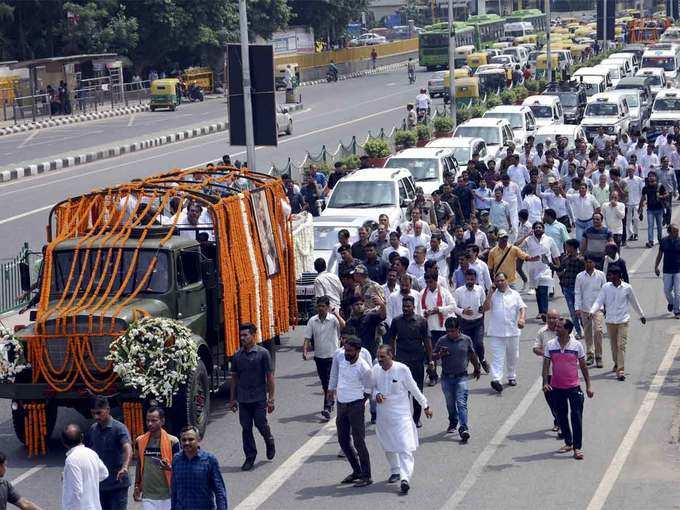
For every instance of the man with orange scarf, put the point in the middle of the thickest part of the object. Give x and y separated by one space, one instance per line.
437 304
155 451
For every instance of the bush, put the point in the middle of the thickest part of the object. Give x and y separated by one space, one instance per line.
476 111
376 148
493 101
423 132
462 115
443 123
405 138
531 85
322 167
521 93
507 96
351 162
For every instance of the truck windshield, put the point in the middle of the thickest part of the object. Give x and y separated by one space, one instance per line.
110 268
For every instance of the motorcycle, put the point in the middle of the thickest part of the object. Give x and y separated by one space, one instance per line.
195 93
422 115
331 76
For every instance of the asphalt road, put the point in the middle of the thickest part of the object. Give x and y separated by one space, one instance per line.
630 437
333 113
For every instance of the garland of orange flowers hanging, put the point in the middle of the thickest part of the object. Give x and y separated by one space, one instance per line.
133 417
35 428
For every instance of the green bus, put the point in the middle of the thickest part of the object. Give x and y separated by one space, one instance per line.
533 16
489 28
433 44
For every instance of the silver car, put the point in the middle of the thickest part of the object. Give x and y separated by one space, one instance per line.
435 84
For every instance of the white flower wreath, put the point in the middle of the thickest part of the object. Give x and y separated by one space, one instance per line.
12 358
155 356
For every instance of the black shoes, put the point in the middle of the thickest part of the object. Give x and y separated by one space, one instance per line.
393 479
351 478
326 414
271 449
497 386
485 366
405 487
419 424
464 436
248 465
373 418
363 482
512 382
669 307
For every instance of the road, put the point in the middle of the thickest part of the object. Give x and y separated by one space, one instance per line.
630 438
333 113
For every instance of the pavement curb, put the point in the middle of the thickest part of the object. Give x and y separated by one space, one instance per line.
72 119
359 74
119 150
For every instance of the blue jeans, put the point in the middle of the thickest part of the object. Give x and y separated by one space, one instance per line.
570 297
542 298
456 394
581 227
654 215
671 287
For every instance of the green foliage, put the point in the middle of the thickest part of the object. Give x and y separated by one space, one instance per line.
443 123
328 18
521 93
376 148
322 167
423 132
493 101
351 162
531 85
462 115
507 96
405 138
477 110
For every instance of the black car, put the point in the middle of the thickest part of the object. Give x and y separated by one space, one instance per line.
572 97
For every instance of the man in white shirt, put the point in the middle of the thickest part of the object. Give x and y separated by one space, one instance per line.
617 296
518 172
539 271
409 227
479 238
635 185
395 245
587 288
439 251
324 329
418 238
507 315
352 381
394 302
600 139
662 139
470 300
583 206
83 472
327 284
614 213
533 204
396 431
512 195
417 267
479 266
649 161
556 199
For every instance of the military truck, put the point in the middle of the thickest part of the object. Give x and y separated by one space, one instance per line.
145 249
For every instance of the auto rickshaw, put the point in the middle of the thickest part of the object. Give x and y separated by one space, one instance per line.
467 88
542 63
461 53
525 39
165 93
474 60
583 32
281 73
501 45
492 80
459 74
580 52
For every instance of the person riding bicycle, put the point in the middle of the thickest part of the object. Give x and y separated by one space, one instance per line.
333 70
423 102
411 69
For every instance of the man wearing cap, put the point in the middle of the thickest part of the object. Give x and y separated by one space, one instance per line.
364 286
503 259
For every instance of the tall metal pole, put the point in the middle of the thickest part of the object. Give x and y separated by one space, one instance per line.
548 56
247 102
604 25
452 66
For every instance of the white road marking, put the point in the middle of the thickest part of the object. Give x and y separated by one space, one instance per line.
132 119
497 440
28 473
391 84
27 213
614 470
650 251
274 481
28 139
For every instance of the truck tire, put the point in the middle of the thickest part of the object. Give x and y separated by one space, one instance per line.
270 345
192 404
19 415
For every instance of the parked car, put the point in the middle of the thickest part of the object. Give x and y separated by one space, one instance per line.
572 97
435 84
463 147
607 111
497 133
570 131
368 39
521 119
426 164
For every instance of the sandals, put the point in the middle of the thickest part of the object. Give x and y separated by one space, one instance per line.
578 454
620 375
565 449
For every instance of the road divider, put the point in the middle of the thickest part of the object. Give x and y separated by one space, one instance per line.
119 150
359 74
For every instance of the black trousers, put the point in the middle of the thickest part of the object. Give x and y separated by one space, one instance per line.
352 429
418 372
117 499
475 330
323 368
249 414
551 405
564 399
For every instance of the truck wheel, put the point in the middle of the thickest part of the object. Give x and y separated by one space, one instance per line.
19 415
270 345
192 404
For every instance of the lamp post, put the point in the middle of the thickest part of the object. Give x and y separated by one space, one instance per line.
452 65
548 56
247 102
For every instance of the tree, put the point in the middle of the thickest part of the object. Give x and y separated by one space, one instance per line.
328 18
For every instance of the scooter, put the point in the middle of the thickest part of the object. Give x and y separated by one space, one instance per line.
331 76
195 93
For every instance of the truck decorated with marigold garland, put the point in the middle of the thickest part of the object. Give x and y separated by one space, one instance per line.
142 288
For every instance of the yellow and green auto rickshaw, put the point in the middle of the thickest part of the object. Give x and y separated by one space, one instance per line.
474 60
165 93
542 64
467 87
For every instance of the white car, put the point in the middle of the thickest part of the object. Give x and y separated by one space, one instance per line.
463 147
665 112
284 122
497 133
505 60
426 164
635 108
368 39
326 230
569 131
607 111
435 84
657 78
547 110
372 192
521 119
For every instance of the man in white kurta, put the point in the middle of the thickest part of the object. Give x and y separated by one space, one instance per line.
395 428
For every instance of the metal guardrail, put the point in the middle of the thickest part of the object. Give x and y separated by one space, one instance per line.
83 100
11 295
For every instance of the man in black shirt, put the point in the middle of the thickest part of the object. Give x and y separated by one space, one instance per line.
252 393
376 267
654 194
347 261
311 192
465 197
411 341
669 251
297 201
359 247
338 173
8 493
365 322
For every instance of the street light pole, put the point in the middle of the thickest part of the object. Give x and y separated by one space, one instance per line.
548 56
452 66
247 102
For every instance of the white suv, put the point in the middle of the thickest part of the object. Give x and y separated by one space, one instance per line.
427 166
372 192
665 112
608 111
497 133
521 119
